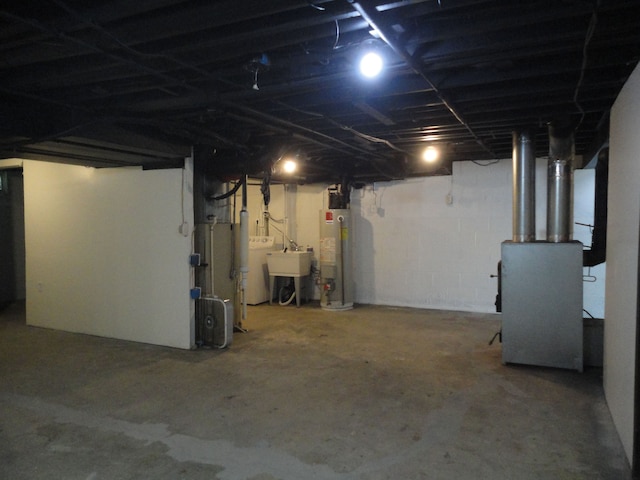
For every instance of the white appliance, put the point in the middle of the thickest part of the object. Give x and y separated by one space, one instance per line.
258 278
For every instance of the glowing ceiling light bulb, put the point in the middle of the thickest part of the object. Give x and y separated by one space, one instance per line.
289 166
371 65
430 154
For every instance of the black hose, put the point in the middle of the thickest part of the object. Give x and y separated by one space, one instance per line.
232 191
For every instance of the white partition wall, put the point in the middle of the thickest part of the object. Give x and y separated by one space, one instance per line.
104 254
621 299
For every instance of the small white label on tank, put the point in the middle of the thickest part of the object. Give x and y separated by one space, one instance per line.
328 250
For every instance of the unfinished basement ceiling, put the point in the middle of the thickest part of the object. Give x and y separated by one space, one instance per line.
114 83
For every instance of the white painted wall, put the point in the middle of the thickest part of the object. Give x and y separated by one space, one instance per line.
104 255
413 249
622 259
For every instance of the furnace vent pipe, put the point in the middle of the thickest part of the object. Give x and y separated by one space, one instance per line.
560 184
524 188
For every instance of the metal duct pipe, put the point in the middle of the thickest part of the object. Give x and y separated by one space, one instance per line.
524 188
560 184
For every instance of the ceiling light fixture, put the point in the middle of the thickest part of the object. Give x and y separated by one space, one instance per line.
430 154
371 64
289 166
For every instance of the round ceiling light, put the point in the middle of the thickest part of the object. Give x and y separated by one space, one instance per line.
289 166
371 65
430 154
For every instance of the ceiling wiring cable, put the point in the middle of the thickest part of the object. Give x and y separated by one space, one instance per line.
590 31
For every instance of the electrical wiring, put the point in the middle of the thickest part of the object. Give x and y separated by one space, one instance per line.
590 31
272 219
364 136
230 192
491 162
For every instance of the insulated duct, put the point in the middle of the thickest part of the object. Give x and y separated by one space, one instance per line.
524 188
560 184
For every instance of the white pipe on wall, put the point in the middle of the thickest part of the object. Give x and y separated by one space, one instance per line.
244 258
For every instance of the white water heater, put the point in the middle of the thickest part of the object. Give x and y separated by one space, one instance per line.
336 273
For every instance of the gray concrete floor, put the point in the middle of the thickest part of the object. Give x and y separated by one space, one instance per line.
372 393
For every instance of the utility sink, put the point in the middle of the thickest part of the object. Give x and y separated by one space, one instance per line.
289 263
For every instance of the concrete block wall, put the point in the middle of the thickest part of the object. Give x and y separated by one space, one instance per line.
433 242
411 246
429 242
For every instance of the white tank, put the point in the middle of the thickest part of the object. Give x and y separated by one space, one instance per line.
336 272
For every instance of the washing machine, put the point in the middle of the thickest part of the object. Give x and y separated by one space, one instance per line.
258 278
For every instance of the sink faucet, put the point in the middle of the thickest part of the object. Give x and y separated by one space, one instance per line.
294 246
